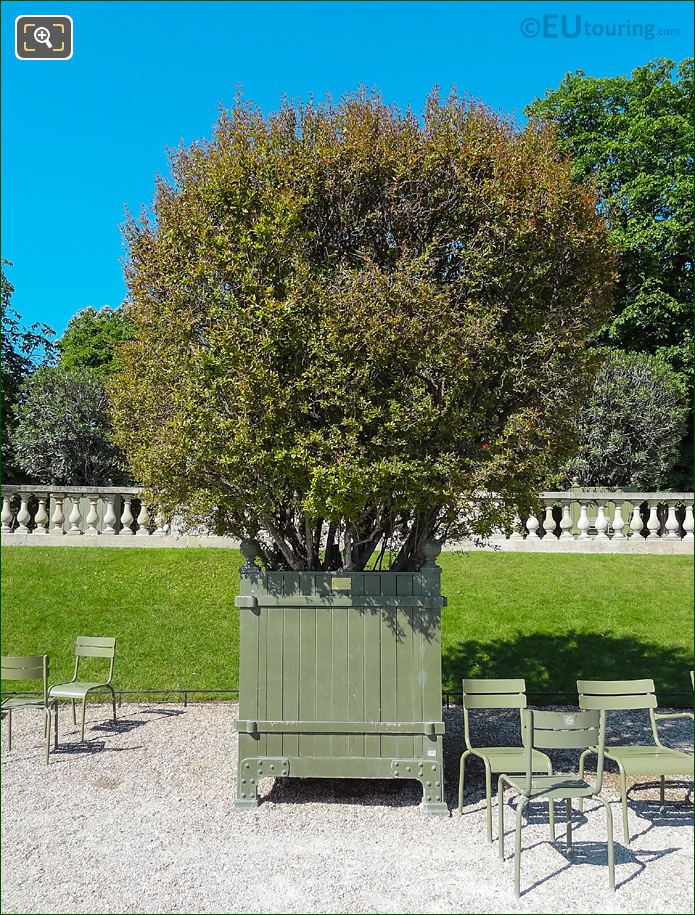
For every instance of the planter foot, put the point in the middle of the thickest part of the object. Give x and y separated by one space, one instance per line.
246 803
434 809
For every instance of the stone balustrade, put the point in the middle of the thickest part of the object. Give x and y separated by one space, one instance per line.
575 520
595 520
77 511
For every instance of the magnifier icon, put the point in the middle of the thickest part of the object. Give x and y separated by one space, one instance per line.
43 36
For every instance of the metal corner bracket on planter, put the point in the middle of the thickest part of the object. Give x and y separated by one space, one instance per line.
340 677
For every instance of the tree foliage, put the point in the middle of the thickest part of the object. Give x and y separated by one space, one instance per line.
633 135
631 427
92 338
23 348
347 321
63 433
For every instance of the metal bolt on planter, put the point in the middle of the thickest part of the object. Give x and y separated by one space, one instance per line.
340 676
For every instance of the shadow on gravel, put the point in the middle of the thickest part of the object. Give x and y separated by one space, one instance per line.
89 748
166 712
675 814
596 854
671 785
367 792
121 726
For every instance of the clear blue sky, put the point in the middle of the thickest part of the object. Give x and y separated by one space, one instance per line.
81 139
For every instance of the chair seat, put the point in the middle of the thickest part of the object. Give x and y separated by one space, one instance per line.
566 785
511 759
651 760
74 690
18 702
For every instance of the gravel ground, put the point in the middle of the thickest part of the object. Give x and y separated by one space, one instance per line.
141 819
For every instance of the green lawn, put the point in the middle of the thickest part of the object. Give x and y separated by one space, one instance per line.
548 618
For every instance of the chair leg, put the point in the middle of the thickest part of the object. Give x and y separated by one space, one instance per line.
47 730
488 800
581 776
568 807
84 707
551 809
113 701
9 729
500 817
517 846
662 793
55 726
623 800
609 830
74 716
462 772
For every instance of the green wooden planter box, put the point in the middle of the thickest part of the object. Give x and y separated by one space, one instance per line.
340 677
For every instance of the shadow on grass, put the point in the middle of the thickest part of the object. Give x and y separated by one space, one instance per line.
551 664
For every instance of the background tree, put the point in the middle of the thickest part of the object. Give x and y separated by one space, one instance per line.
22 350
92 338
347 322
630 430
633 136
63 431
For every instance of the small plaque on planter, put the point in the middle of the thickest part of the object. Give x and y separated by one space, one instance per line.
341 584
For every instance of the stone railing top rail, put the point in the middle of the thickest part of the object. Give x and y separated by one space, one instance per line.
574 493
8 489
610 495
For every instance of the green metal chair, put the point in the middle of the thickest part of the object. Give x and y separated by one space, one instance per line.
76 690
497 694
557 731
34 667
652 759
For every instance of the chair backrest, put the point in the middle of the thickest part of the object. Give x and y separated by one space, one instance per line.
613 695
32 667
480 693
87 646
563 731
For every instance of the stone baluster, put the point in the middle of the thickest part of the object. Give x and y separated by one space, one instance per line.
41 517
549 523
618 522
566 522
688 522
75 517
583 524
23 516
532 526
126 517
57 518
6 513
653 522
672 523
143 522
161 526
516 529
92 518
636 522
601 523
110 515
